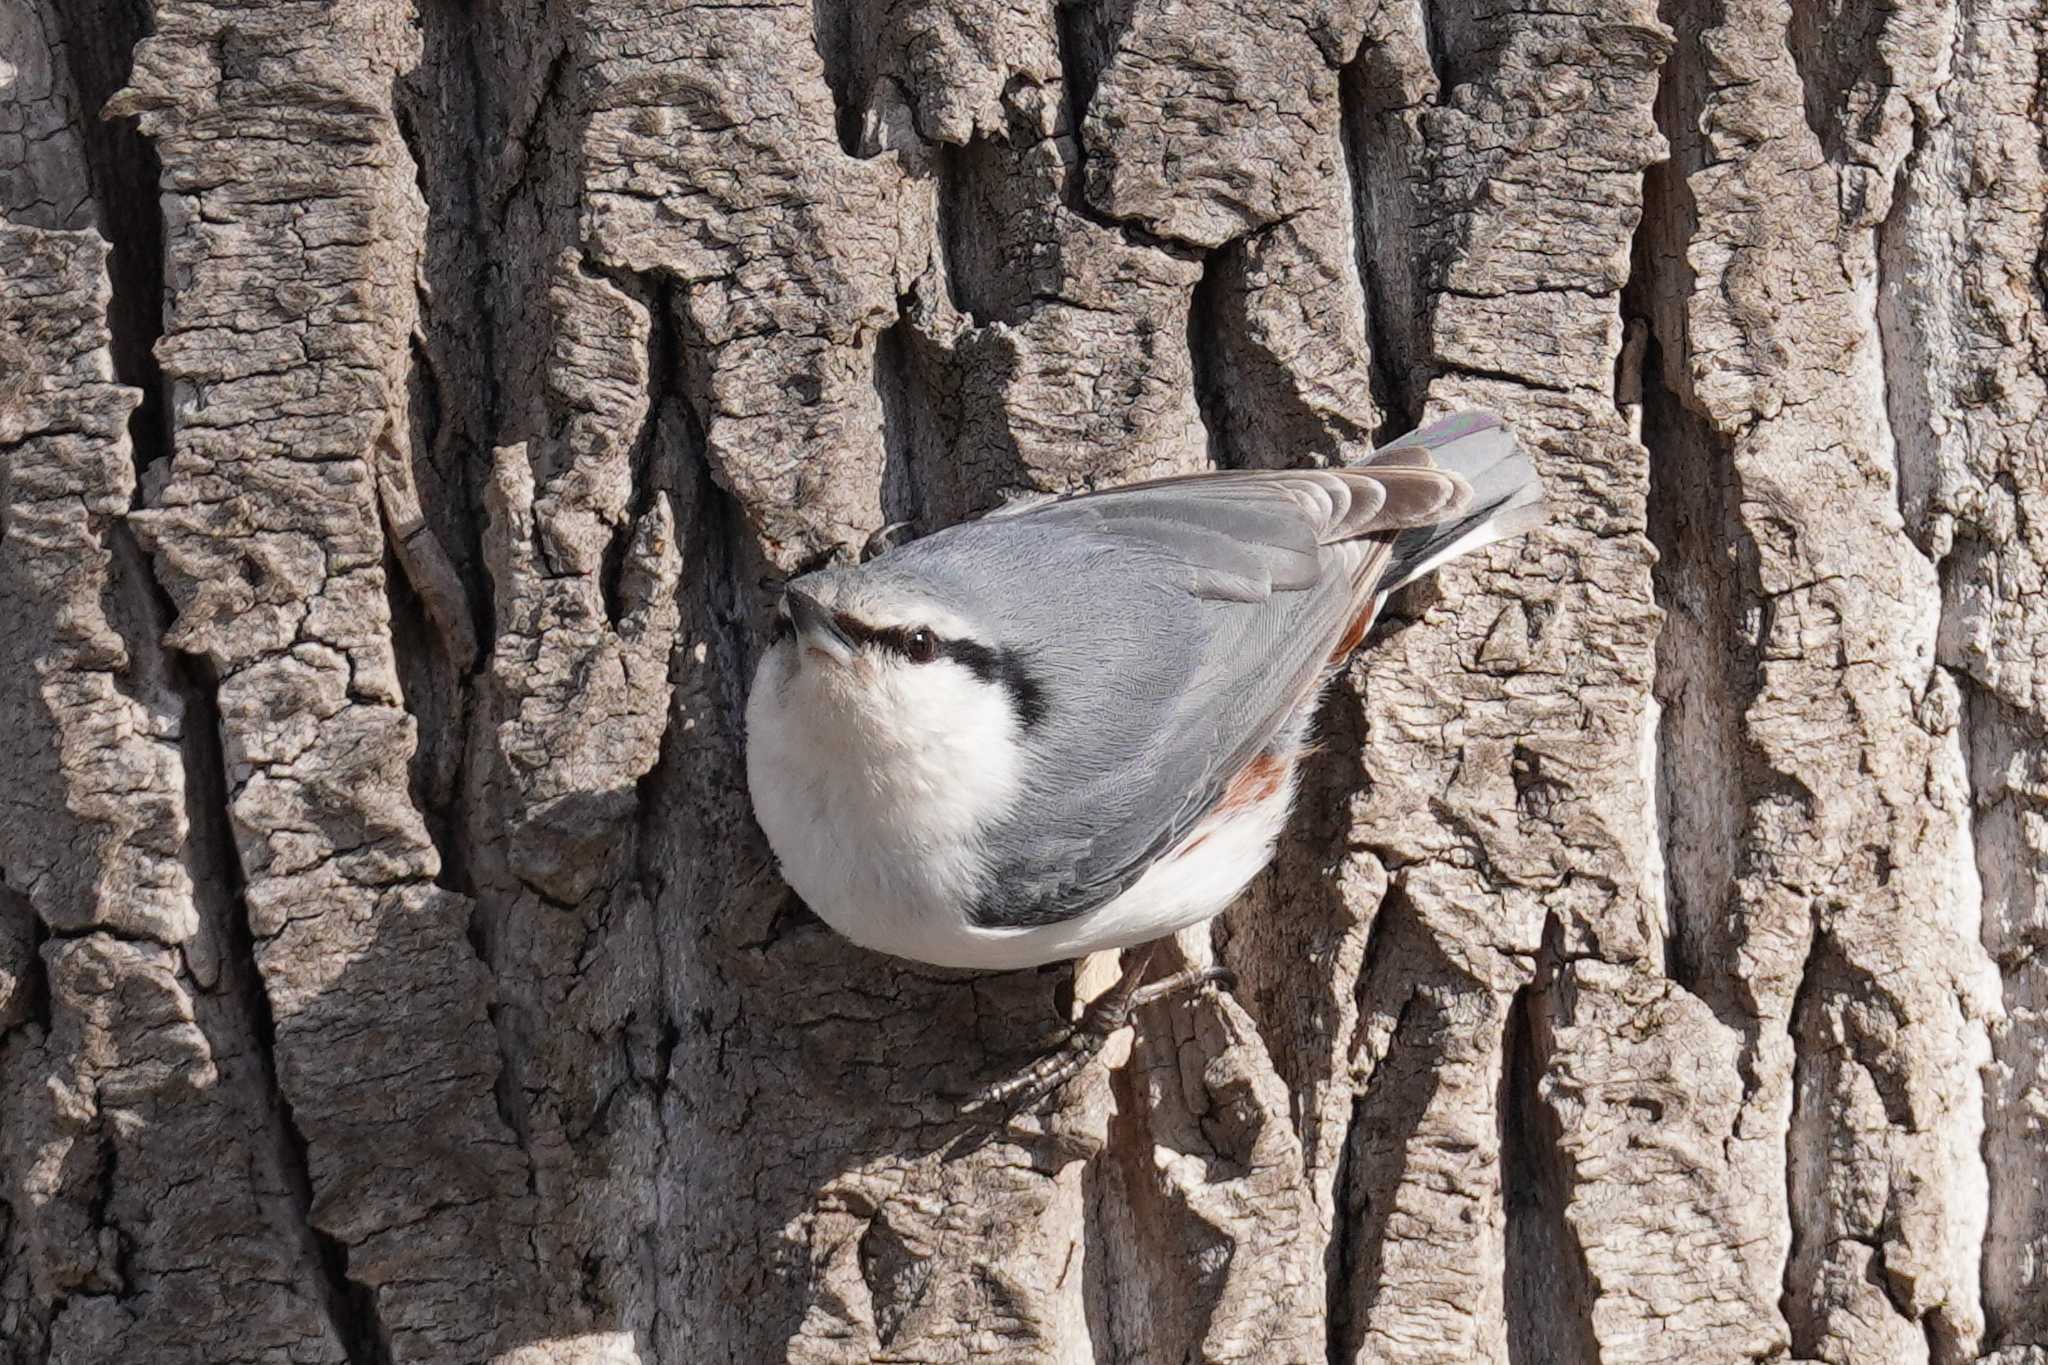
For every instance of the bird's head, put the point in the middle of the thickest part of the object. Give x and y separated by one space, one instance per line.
899 653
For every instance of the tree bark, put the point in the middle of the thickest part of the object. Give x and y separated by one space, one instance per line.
406 408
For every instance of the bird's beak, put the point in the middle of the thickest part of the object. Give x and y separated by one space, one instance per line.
815 628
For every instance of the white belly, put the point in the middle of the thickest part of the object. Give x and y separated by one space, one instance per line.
1196 881
877 828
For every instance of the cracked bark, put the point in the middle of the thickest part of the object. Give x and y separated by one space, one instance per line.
405 409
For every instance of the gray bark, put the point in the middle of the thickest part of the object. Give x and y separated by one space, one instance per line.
405 405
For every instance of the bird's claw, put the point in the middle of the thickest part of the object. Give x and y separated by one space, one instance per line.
1030 1088
1191 979
1071 1051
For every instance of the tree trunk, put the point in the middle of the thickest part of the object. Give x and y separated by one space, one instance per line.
406 407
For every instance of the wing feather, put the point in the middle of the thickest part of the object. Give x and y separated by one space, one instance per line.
1195 616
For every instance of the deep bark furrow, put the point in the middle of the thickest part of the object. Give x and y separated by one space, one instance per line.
1965 409
1707 650
99 37
430 485
24 985
292 615
1507 323
350 1308
840 34
912 435
1416 1154
1205 342
95 1042
1076 28
154 1033
1547 1297
1378 97
1804 1151
1800 800
1342 1264
455 111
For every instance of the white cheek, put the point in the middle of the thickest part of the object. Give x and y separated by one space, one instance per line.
945 739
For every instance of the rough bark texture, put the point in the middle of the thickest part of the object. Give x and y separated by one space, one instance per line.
406 406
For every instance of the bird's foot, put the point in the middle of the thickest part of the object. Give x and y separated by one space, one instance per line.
1071 1052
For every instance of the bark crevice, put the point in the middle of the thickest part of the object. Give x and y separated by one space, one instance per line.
1206 352
1386 242
1805 1152
648 473
350 1307
840 34
456 383
1706 582
126 175
1412 1001
1549 1293
100 38
908 439
1084 46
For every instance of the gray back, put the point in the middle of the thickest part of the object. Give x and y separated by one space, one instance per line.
1174 629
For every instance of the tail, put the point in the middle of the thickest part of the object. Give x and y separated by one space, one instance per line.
1507 497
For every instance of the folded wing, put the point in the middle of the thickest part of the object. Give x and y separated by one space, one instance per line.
1201 613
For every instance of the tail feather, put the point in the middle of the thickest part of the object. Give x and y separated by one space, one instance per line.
1507 497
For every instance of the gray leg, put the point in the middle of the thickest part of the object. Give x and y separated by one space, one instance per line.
1108 1012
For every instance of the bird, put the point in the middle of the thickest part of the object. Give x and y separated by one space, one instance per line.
1076 723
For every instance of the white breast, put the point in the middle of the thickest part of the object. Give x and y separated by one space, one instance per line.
1198 879
873 796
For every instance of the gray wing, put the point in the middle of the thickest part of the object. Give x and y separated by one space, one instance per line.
1177 627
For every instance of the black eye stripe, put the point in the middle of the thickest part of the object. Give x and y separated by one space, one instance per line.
1005 669
895 639
1001 667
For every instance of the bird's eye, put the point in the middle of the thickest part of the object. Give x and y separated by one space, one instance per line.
921 646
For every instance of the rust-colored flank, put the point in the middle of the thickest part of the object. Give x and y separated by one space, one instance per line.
1260 782
1355 636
